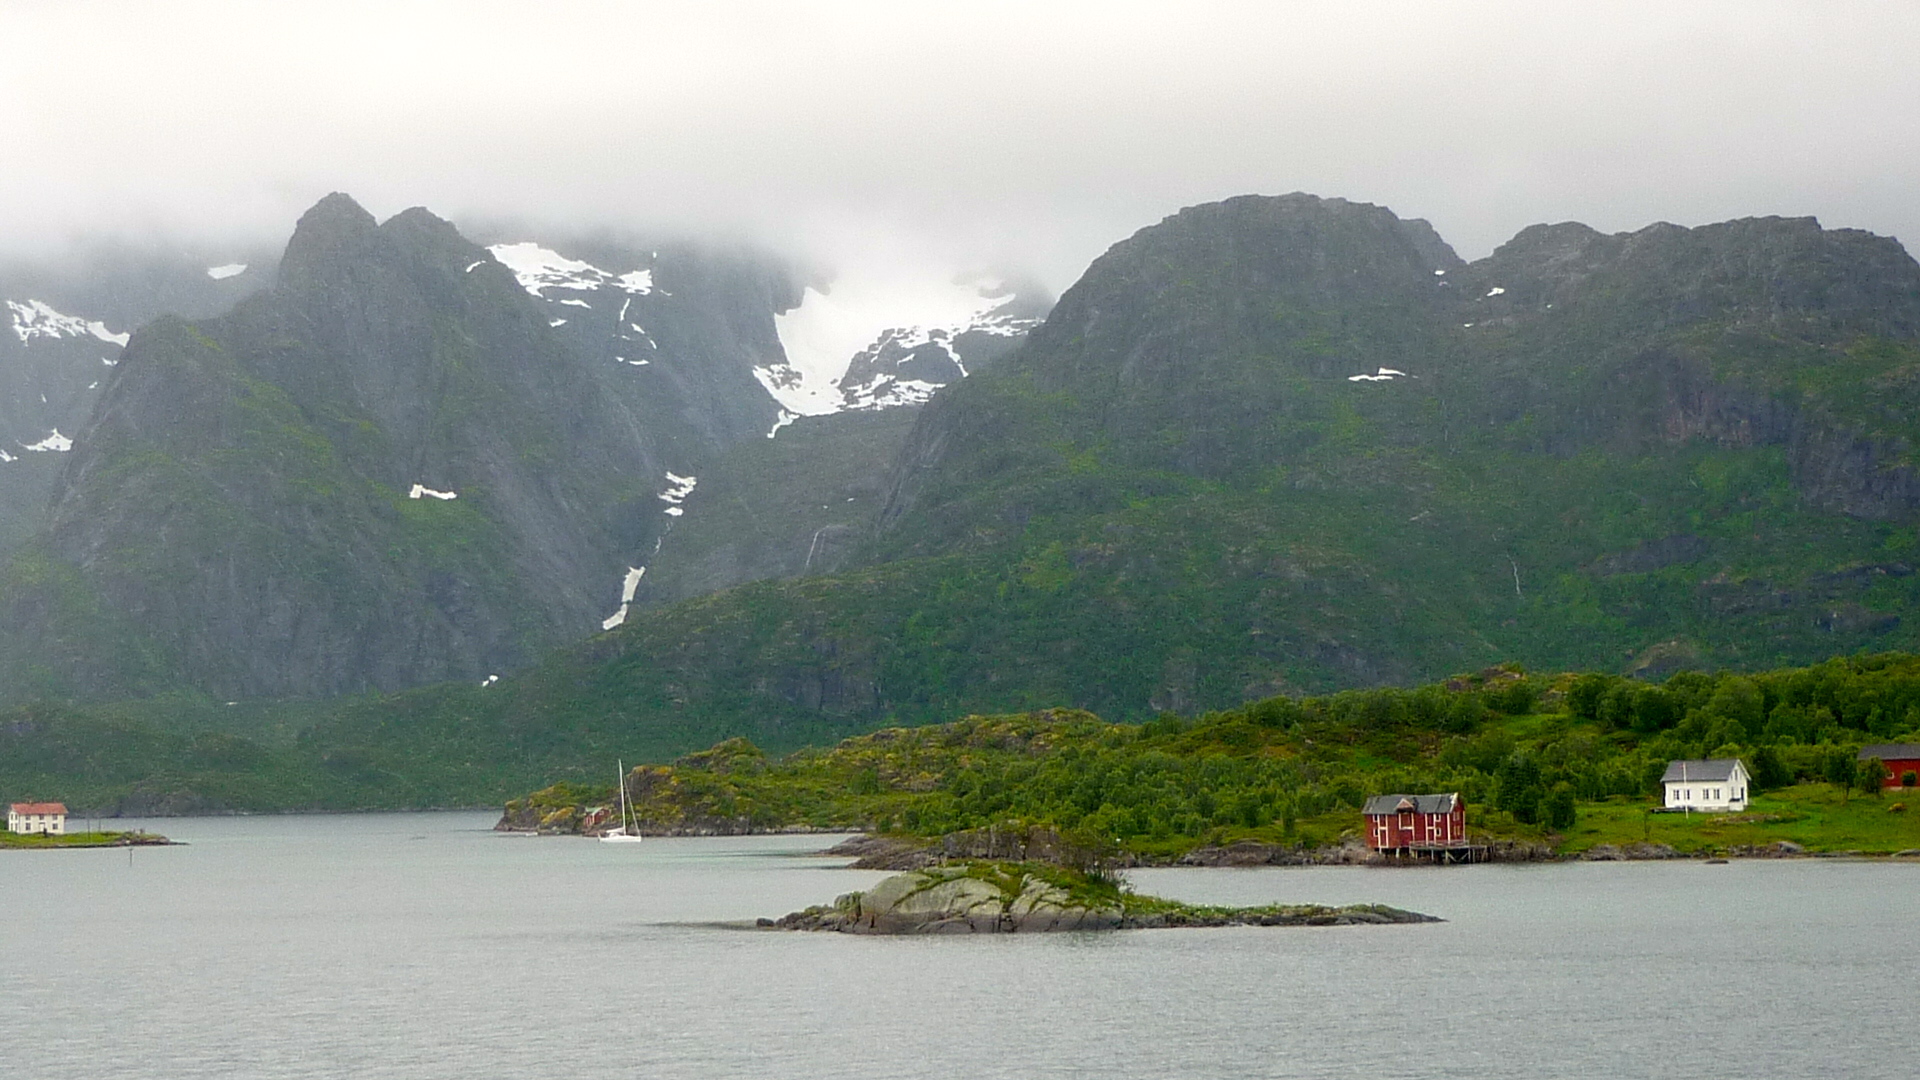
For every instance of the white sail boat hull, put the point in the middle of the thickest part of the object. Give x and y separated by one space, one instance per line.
628 831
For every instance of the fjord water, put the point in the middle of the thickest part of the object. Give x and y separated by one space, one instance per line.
424 945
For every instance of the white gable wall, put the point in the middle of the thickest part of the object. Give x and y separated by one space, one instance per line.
36 823
1728 794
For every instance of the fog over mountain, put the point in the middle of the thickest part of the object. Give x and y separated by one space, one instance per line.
902 141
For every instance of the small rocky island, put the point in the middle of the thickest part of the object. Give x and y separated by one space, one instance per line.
1026 898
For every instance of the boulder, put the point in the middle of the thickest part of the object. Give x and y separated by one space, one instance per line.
1042 907
947 902
923 904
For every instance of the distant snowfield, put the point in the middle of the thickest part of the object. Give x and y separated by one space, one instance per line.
539 268
828 329
54 443
36 318
227 270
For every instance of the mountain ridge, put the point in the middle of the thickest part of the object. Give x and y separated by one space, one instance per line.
1289 445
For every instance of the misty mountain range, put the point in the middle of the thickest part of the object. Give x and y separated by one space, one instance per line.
1272 444
380 468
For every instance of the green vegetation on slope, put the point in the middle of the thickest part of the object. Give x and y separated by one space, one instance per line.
1577 756
1522 748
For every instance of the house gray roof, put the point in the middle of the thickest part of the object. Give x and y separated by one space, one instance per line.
1895 751
1708 770
1419 804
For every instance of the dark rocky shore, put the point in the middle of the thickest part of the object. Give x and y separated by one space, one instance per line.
1041 844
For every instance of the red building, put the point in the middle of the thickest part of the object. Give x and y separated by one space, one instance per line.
1416 822
1902 761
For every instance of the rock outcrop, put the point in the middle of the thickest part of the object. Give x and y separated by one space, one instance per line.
986 898
958 901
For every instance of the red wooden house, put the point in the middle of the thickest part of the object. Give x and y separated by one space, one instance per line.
1901 759
1416 822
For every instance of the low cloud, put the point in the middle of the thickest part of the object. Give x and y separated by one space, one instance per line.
984 136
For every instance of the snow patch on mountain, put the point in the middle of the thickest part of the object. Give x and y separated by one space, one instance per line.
539 268
677 490
37 319
842 344
226 270
680 487
1385 374
628 586
420 490
54 443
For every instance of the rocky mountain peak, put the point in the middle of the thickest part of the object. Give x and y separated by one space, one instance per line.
1252 273
333 230
1758 272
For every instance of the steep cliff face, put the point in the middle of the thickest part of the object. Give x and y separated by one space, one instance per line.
1198 346
1762 332
1224 339
391 468
63 322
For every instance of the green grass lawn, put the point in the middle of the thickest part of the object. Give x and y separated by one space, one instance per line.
75 839
1815 816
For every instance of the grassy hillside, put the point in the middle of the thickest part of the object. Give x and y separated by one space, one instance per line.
1573 759
1283 769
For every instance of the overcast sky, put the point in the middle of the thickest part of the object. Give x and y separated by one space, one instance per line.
972 135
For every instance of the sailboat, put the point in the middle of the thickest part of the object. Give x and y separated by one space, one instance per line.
628 831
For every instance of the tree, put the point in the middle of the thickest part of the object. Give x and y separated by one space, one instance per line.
1737 699
1769 771
1518 788
1556 810
1840 770
1654 710
1869 775
1514 697
1583 697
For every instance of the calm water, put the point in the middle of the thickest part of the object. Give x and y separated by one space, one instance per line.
422 945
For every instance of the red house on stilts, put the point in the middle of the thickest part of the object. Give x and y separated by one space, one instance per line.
1417 823
1901 761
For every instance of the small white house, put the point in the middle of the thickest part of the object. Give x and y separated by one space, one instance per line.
1710 784
37 817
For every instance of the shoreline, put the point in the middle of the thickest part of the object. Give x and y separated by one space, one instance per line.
879 852
35 842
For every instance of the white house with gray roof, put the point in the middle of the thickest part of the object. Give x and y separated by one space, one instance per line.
1713 784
